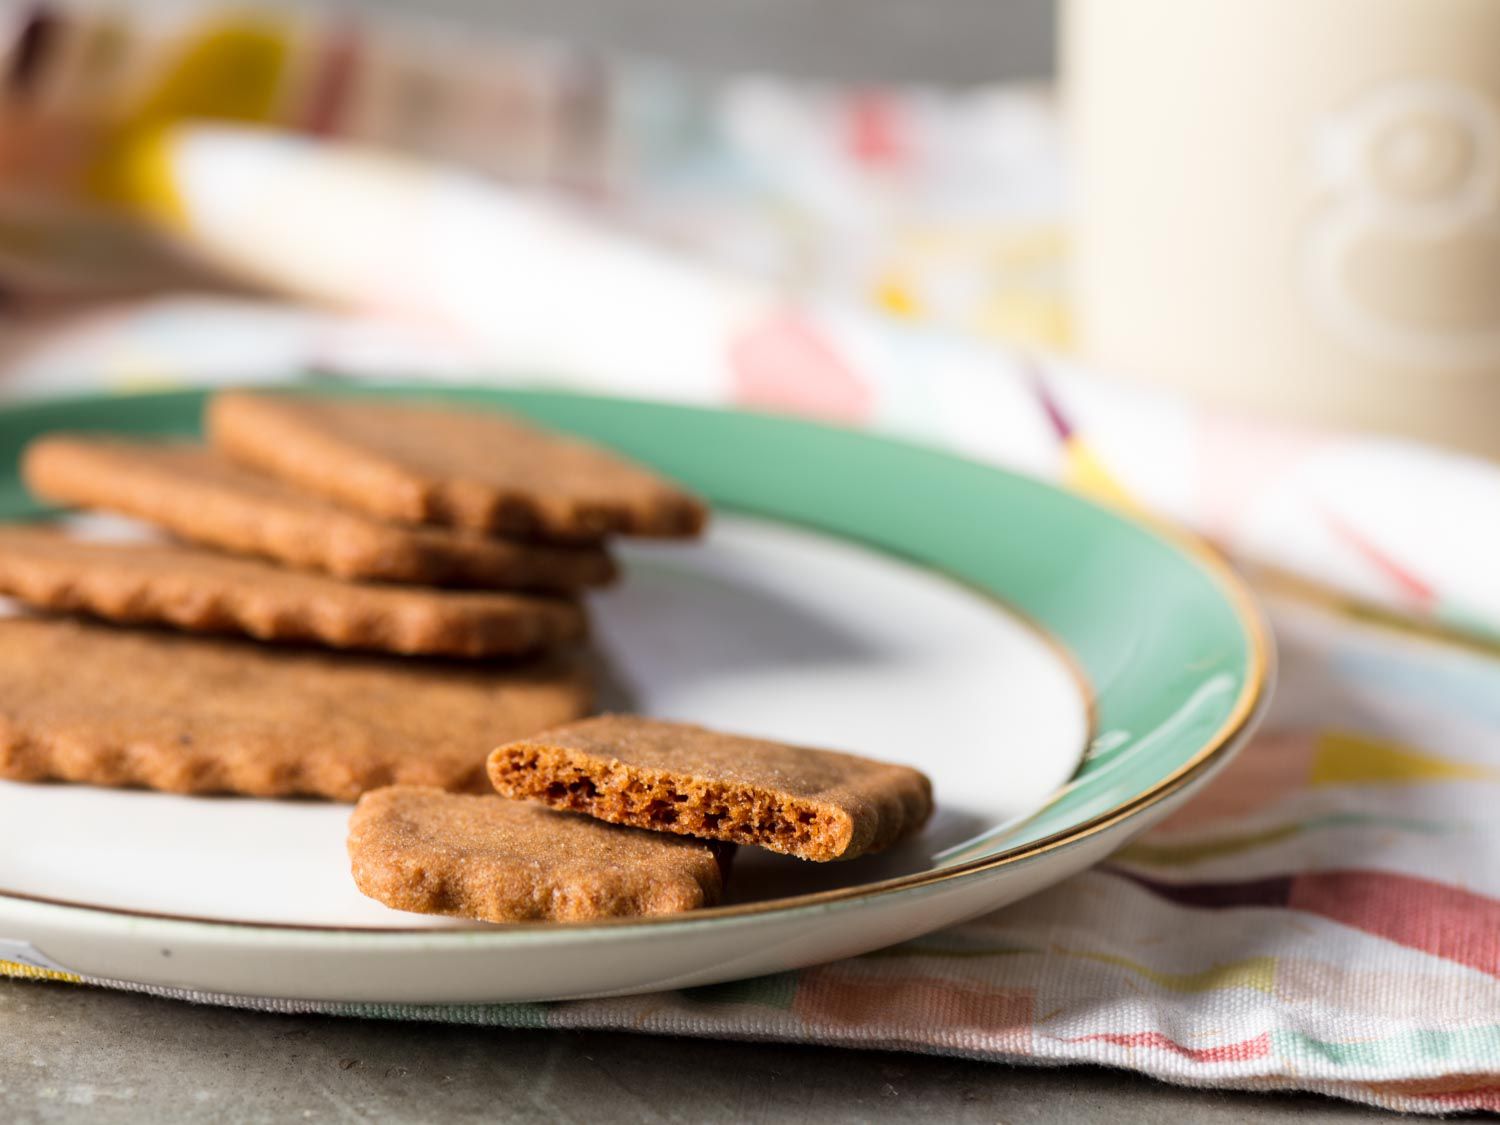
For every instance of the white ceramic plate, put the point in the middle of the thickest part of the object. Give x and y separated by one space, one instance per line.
764 628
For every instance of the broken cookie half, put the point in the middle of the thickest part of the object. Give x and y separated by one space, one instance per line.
688 780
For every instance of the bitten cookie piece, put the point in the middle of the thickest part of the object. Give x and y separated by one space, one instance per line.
477 469
203 592
673 777
503 861
106 706
196 494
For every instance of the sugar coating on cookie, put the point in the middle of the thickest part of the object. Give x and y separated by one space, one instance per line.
676 777
206 592
495 860
477 468
106 706
194 493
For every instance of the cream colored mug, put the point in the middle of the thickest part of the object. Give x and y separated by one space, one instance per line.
1293 206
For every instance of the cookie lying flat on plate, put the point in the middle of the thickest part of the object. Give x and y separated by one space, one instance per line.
196 494
673 777
478 469
204 592
106 706
503 861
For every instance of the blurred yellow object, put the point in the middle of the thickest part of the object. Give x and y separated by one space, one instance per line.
1037 319
143 178
1084 472
1346 758
229 69
893 295
1006 273
31 972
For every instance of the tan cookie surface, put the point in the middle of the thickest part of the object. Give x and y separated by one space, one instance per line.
193 492
675 777
106 706
477 469
432 852
205 592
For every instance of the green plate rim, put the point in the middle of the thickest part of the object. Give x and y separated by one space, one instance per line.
576 411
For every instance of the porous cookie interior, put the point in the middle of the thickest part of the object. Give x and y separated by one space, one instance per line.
658 800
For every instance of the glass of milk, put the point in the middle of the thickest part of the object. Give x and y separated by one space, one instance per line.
1293 206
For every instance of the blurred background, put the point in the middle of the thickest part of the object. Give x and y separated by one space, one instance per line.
952 41
1171 258
840 150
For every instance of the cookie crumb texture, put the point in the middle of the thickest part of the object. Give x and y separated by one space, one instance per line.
104 706
495 860
479 468
674 777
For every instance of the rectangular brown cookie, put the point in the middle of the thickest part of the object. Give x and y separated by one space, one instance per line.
205 592
106 706
675 777
198 495
476 468
503 861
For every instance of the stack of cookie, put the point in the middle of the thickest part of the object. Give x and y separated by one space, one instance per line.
441 552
